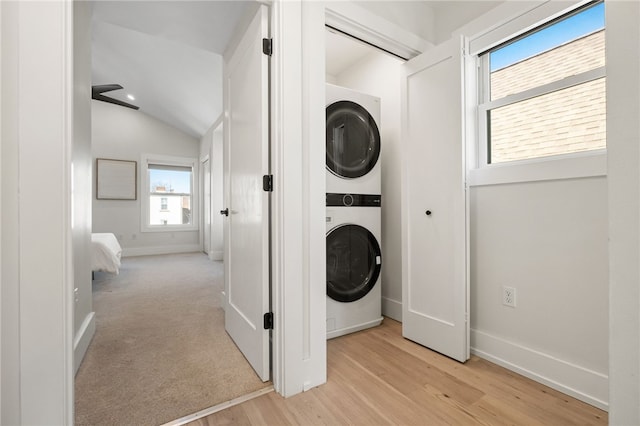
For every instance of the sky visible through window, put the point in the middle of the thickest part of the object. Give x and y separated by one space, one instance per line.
571 28
180 182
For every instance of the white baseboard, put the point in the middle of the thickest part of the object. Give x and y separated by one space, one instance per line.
147 251
215 255
579 382
331 333
392 309
82 339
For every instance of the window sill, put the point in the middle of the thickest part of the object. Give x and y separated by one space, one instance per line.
571 166
169 228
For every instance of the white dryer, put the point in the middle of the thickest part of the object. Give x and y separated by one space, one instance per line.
354 261
352 142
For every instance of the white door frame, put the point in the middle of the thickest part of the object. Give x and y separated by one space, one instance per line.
203 205
298 115
298 267
37 288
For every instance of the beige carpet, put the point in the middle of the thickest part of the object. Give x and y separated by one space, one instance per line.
160 351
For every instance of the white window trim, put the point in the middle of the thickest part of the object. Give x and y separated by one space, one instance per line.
565 166
147 159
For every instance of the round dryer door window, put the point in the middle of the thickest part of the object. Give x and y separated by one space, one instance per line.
353 140
353 262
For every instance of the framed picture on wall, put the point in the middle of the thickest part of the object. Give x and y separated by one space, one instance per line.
116 179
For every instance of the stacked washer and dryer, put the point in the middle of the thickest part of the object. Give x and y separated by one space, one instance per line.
354 219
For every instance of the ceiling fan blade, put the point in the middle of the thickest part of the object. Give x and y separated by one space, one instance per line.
103 98
96 93
101 88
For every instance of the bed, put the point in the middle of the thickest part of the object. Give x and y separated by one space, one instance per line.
105 253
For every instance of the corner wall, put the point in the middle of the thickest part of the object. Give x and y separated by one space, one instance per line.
84 322
623 144
211 145
37 269
10 217
124 134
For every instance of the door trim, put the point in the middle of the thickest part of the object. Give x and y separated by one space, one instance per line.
357 22
203 159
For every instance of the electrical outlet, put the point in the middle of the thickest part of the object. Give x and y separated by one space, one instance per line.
509 296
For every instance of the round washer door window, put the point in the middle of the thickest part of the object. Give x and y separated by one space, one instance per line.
353 262
353 140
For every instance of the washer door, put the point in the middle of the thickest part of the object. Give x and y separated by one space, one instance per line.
353 140
353 262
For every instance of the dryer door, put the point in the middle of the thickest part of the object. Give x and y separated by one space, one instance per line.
353 262
353 140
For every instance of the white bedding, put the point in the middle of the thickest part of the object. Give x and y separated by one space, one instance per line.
105 253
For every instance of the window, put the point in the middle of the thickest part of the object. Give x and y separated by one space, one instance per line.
542 94
169 201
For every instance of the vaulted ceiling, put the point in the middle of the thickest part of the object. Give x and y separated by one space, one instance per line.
168 54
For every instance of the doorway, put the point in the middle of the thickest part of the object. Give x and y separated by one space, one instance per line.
358 66
123 28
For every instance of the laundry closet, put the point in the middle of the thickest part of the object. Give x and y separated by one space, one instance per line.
451 238
363 185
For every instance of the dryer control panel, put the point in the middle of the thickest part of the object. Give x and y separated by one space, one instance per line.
353 200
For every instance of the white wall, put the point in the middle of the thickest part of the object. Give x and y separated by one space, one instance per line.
378 74
548 240
623 145
37 268
124 134
414 16
211 145
451 15
10 347
84 324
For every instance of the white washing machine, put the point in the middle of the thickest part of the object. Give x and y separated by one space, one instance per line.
352 142
354 261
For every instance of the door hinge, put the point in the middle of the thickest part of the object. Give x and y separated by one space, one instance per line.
267 183
267 46
268 321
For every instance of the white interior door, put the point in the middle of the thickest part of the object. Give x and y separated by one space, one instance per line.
247 223
434 287
206 207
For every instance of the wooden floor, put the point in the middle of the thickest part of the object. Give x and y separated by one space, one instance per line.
377 377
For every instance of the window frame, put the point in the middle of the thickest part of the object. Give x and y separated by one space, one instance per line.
145 191
562 166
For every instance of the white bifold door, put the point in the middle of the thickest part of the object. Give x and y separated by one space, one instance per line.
434 287
246 147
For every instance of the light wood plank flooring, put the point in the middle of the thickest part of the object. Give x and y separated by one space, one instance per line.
377 377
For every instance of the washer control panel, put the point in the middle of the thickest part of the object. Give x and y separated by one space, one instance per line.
353 200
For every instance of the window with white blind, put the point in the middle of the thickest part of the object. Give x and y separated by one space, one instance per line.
168 193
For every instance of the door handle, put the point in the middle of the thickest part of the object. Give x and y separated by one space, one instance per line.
225 212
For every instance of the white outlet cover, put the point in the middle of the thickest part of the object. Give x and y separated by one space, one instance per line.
509 296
